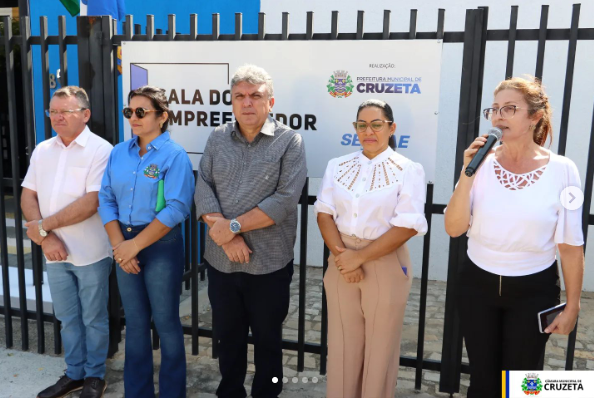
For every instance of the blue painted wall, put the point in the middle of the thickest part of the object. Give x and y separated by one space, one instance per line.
138 9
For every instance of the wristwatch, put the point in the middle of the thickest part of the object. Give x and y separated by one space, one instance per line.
235 226
42 231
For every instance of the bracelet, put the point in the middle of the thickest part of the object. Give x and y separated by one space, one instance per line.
133 240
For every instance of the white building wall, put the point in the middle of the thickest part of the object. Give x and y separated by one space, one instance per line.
582 103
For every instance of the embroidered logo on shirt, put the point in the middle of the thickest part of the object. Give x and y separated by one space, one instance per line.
152 171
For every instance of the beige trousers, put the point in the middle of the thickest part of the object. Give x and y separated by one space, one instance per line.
365 324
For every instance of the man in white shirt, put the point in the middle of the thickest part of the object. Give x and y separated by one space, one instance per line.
60 200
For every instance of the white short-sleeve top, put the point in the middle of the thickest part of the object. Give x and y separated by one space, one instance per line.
517 219
367 197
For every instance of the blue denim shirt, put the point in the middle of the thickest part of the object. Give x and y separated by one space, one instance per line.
130 183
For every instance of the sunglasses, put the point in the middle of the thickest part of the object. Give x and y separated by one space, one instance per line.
140 112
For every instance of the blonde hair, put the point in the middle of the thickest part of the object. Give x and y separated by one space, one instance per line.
534 95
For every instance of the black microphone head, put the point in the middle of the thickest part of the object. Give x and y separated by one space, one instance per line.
496 131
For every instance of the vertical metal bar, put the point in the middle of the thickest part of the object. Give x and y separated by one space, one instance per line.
452 338
440 23
195 315
57 336
28 106
360 16
334 27
238 26
171 25
3 232
261 25
302 277
137 29
285 29
412 29
115 26
45 88
386 31
63 49
110 117
573 34
511 44
159 31
115 330
202 238
215 26
542 41
424 284
324 328
193 26
588 186
150 27
571 347
128 31
14 149
309 28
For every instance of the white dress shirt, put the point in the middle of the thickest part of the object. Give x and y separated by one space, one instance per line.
62 174
517 219
368 197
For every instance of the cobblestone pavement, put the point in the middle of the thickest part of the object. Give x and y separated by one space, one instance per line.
203 375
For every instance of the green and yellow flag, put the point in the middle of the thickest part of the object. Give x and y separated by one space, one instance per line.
73 6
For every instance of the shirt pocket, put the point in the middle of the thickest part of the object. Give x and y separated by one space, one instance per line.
267 171
75 181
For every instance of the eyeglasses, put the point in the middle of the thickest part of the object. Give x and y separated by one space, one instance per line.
506 112
375 125
64 112
140 112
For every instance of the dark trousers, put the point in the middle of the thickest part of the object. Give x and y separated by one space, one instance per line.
242 301
499 322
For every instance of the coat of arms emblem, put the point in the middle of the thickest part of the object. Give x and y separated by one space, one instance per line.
152 171
531 384
340 84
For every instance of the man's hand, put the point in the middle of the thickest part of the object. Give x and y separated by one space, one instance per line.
355 276
348 260
53 248
237 250
33 231
564 323
220 231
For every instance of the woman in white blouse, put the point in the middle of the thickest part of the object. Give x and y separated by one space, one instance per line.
370 203
515 220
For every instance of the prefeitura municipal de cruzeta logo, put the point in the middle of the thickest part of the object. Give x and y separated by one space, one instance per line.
531 384
340 84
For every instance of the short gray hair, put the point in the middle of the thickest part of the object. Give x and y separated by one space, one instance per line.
74 91
253 74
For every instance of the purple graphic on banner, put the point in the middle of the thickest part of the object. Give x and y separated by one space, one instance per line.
138 77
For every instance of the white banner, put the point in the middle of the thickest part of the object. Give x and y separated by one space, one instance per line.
548 384
318 86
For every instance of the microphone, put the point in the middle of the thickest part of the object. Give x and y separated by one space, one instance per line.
494 136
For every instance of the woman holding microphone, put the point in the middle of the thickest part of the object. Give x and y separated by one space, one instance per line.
147 191
515 221
370 204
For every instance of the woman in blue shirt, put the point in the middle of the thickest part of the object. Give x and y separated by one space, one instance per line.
146 192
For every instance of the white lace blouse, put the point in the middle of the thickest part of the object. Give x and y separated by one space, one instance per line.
517 219
368 197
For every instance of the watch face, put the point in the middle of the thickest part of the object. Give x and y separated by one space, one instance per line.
235 226
43 233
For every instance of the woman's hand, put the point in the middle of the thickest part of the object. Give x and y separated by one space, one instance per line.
564 323
125 251
474 147
348 260
355 276
131 267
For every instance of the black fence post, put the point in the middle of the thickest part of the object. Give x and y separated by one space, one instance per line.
470 97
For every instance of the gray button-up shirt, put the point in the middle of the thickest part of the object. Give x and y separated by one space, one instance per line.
235 176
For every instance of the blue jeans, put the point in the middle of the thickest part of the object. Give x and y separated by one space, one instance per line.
80 296
154 292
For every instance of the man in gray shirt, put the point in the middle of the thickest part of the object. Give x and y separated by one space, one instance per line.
250 180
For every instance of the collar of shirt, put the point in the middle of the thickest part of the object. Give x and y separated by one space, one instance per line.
388 152
156 143
81 139
267 129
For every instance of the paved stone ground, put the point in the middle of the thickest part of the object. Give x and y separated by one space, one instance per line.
203 375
